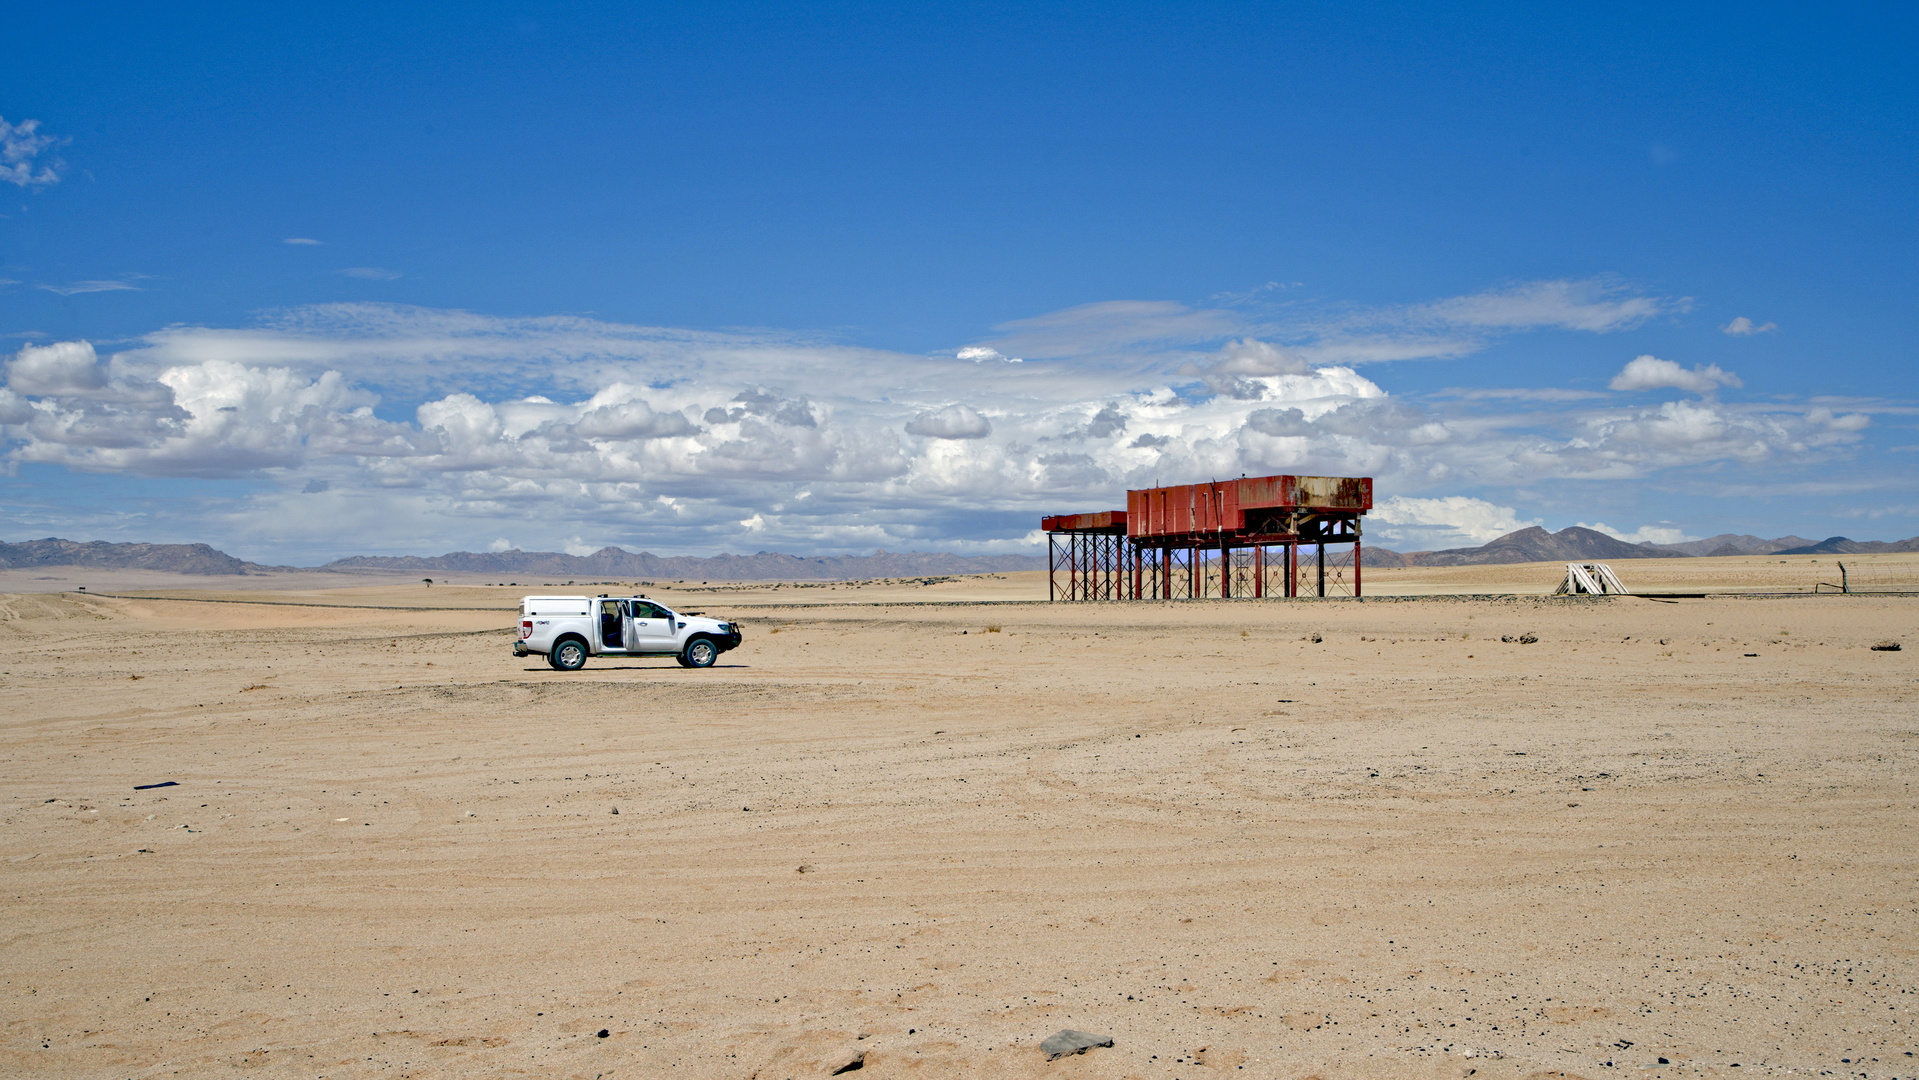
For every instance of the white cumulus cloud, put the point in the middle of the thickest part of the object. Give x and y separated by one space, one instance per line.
619 415
1652 373
1645 534
1744 327
979 354
952 422
64 368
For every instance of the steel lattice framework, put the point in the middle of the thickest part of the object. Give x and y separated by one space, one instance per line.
1236 538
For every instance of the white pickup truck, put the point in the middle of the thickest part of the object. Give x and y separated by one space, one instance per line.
568 629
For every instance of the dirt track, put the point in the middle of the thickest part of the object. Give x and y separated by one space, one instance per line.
1407 849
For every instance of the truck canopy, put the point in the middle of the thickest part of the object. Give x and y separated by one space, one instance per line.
556 605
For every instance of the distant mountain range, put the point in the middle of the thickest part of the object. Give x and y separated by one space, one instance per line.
1527 545
610 562
178 558
1736 544
1839 545
1586 545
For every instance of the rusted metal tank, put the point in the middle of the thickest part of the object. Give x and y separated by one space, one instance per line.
1221 506
1106 521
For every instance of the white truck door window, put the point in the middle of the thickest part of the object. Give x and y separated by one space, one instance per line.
652 630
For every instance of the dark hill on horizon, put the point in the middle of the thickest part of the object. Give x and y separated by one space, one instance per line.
1575 544
1535 544
177 558
1735 544
1839 545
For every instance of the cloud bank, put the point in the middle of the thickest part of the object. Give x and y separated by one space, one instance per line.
373 427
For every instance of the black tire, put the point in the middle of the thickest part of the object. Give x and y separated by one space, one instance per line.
569 654
700 652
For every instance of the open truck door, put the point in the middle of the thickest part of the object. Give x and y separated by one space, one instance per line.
653 629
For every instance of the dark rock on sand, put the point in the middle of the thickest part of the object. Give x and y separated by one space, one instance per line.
1067 1041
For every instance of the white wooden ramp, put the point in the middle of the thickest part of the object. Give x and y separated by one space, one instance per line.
1593 578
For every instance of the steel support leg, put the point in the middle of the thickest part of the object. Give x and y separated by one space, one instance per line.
1052 567
1112 569
1098 568
1072 567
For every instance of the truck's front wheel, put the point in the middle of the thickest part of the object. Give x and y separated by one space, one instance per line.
568 655
700 652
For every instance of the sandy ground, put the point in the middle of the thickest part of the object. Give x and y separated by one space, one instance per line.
1406 848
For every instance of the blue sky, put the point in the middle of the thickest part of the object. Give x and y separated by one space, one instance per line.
700 278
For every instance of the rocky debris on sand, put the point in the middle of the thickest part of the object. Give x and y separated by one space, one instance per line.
1067 1041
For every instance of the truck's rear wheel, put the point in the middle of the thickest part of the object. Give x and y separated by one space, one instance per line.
568 655
700 652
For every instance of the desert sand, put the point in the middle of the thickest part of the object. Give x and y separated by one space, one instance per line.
934 823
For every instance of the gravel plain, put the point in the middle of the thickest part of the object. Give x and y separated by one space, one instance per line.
1307 839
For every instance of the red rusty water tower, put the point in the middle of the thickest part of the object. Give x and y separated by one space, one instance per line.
1213 539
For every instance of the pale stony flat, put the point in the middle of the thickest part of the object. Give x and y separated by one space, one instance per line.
907 826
